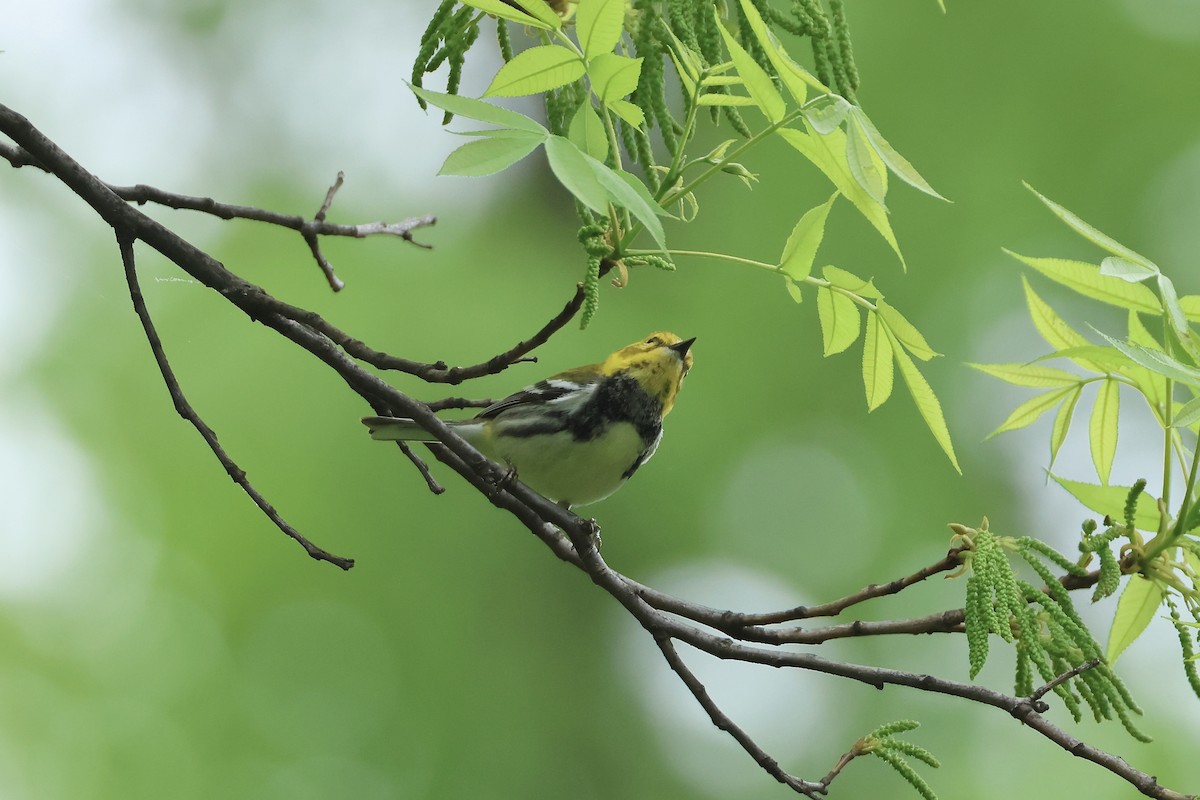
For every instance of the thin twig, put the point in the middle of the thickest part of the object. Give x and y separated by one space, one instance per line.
1046 688
314 244
723 722
423 468
186 411
459 402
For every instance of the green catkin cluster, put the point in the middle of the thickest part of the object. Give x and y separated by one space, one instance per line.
503 40
841 34
595 243
906 771
1099 543
430 41
1186 646
651 95
457 49
681 15
1131 499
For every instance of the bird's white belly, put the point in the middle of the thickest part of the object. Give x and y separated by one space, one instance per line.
566 470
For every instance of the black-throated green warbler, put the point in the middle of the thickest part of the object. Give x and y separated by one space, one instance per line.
578 435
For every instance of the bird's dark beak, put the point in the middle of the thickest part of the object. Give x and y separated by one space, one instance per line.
681 348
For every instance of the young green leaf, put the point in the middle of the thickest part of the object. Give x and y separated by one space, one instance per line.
793 290
851 282
877 363
1188 415
826 113
628 112
497 8
1086 279
865 165
542 11
725 100
586 132
1126 270
1152 386
927 404
1110 501
1140 599
788 71
570 166
1033 375
1062 421
1170 302
1103 428
536 70
1191 306
1091 234
621 193
490 155
897 163
478 110
802 244
758 83
613 77
840 320
1157 361
598 25
1028 412
828 154
905 332
1053 328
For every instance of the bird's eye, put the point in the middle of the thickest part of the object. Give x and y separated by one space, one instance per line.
654 340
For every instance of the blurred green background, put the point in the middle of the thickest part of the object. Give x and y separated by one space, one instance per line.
159 638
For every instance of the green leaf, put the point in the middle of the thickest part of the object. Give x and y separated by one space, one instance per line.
840 320
613 76
927 404
1091 234
1152 386
1103 428
725 100
623 194
598 24
758 83
1028 374
497 8
897 163
1062 422
802 244
905 332
1188 415
1095 357
790 74
1053 328
793 290
570 166
587 132
1110 501
877 363
490 155
628 112
1126 270
826 113
1191 306
478 110
850 282
828 154
543 12
1086 279
1028 412
865 165
1140 599
536 70
1170 302
1157 361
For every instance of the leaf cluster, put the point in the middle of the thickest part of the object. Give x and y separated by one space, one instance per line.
600 66
1156 359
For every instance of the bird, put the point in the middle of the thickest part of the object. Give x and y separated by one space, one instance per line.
577 436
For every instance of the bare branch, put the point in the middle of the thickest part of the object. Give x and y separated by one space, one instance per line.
1046 688
188 413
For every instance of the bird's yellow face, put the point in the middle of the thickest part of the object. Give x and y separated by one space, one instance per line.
659 362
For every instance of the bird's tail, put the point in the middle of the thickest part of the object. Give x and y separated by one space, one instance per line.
391 429
396 429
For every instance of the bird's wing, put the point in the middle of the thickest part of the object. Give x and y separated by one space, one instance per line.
557 388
